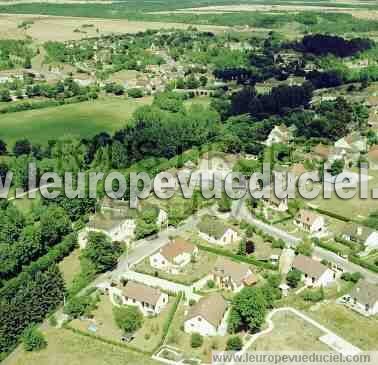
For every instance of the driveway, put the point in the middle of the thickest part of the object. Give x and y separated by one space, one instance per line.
162 284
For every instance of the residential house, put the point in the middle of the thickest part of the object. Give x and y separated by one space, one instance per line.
373 157
275 203
207 317
174 256
322 152
279 134
151 301
350 147
214 231
314 273
310 221
297 169
233 276
364 298
362 235
118 226
161 214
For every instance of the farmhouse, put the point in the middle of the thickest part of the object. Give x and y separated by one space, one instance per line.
150 301
363 235
279 134
314 273
174 256
214 231
207 317
310 221
230 275
364 298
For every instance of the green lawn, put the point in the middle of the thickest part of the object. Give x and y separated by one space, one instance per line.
290 333
146 338
82 120
353 327
191 273
67 348
70 267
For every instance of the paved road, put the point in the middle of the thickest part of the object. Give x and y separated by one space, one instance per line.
241 212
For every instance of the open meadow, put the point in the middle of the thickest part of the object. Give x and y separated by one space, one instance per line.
82 120
71 28
67 348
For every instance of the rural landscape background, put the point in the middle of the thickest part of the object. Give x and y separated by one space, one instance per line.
198 86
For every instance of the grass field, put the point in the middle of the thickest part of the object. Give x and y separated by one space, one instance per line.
146 338
67 348
82 120
39 29
70 266
290 333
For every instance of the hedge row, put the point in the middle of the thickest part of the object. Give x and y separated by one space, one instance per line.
168 322
246 259
334 215
331 247
105 340
356 260
166 328
29 105
55 255
352 245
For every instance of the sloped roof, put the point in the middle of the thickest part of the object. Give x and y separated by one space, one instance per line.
176 248
307 265
298 169
306 216
227 268
365 292
141 293
211 308
322 150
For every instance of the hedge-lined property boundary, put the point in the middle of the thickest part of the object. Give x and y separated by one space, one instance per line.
245 259
166 327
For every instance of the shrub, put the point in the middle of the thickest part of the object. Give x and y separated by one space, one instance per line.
313 295
80 306
33 339
196 340
353 277
128 318
210 284
234 343
135 93
293 278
